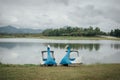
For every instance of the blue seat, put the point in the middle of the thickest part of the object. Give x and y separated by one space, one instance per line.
72 59
44 59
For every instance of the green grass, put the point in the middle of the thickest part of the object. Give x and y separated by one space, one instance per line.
55 37
82 72
77 38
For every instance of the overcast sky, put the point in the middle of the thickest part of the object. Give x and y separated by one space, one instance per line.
42 14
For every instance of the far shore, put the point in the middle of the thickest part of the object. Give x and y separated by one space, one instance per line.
38 36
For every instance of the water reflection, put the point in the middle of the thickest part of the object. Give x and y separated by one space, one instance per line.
10 45
90 47
115 46
30 52
21 53
7 45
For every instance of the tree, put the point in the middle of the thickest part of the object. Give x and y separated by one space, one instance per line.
115 33
97 31
112 33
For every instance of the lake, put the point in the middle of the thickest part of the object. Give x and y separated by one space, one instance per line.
28 50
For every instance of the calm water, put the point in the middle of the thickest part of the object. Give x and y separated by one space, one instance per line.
28 51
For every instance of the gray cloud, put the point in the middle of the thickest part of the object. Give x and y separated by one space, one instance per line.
58 13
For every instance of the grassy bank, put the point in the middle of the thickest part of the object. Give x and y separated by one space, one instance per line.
82 72
57 37
77 38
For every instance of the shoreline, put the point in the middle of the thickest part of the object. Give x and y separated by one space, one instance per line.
65 37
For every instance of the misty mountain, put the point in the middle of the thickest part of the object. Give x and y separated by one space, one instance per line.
14 30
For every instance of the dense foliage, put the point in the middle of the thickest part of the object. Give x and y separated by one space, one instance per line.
115 33
73 31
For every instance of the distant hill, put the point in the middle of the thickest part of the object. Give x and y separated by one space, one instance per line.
14 30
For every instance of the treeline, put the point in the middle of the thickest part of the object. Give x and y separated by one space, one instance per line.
67 31
73 31
115 33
